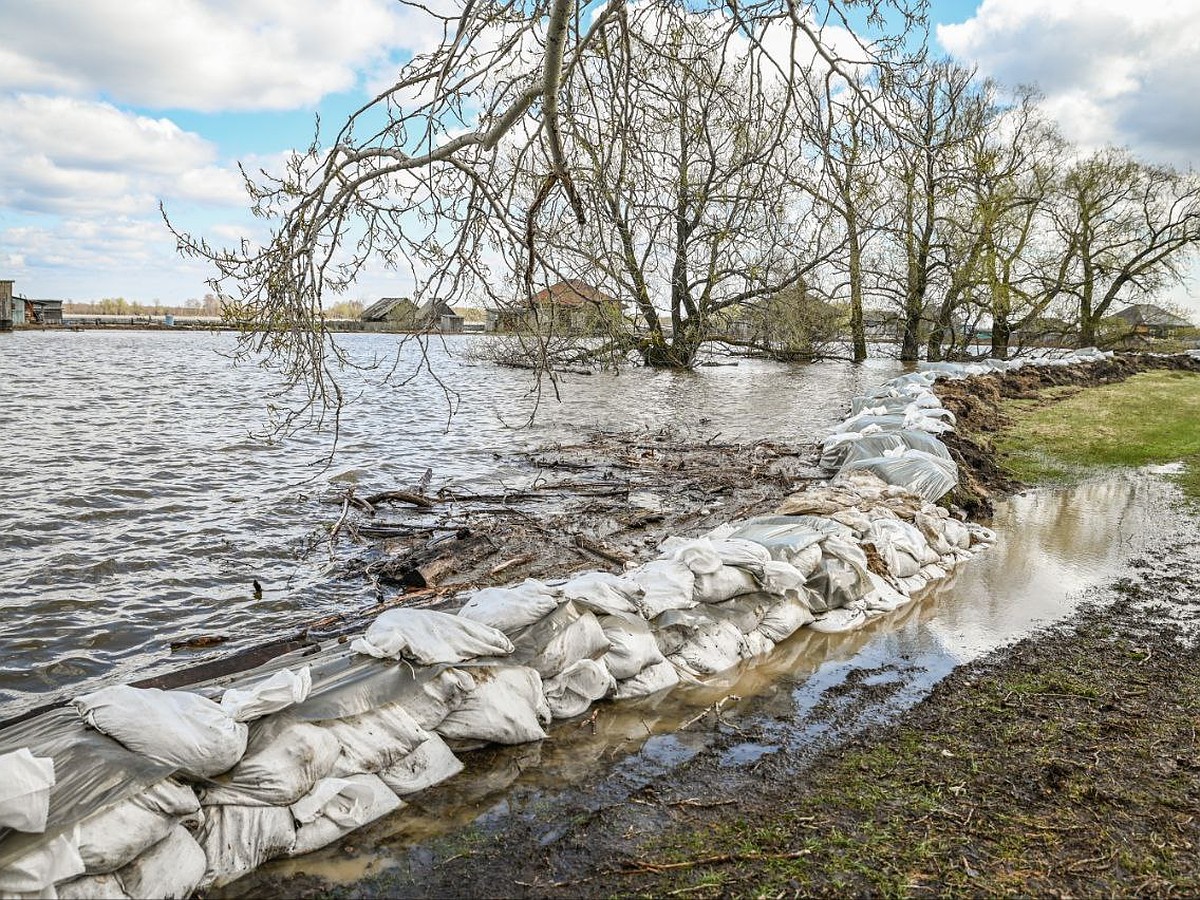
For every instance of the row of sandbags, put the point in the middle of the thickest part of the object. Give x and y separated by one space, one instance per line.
192 789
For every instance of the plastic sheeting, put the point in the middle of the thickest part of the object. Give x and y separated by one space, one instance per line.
930 477
25 783
428 637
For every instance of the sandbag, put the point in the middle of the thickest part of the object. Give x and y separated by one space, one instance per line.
710 649
337 806
172 868
375 739
883 597
511 609
784 618
506 707
786 538
933 529
429 637
725 583
283 761
756 644
49 862
901 546
603 592
652 679
841 578
440 694
748 555
113 837
698 555
931 477
666 584
175 727
560 640
836 453
92 887
25 783
632 646
431 763
577 687
283 689
239 839
785 580
839 620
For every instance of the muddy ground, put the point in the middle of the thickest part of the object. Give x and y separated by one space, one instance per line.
1065 764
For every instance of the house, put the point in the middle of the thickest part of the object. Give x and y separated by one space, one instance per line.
43 312
17 310
403 314
1149 321
568 306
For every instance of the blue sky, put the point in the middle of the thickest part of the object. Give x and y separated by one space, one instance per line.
112 105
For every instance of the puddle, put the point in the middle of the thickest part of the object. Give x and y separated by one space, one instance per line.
813 691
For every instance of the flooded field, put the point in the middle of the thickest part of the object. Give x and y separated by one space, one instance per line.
814 692
138 510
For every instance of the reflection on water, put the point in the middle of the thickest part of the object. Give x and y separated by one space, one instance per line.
137 511
813 690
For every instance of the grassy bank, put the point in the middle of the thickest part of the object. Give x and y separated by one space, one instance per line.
1068 432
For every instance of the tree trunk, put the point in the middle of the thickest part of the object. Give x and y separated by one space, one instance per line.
1001 335
858 332
910 344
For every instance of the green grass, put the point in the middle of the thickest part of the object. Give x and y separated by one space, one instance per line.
1151 418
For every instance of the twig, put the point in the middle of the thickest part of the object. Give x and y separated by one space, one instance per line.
592 547
404 496
720 859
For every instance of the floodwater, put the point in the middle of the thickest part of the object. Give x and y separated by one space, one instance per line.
814 691
138 510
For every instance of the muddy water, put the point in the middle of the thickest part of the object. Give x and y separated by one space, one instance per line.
137 510
814 691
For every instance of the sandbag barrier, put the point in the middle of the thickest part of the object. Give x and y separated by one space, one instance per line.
137 792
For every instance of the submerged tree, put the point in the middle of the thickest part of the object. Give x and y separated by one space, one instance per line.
475 143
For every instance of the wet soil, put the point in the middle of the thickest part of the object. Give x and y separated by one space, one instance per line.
1064 764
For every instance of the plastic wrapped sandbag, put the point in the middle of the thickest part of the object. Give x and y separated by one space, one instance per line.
173 868
337 806
115 836
603 592
712 648
924 398
428 637
660 677
836 454
560 640
93 887
786 538
239 839
25 783
929 476
577 687
175 727
631 645
511 609
50 861
870 423
666 584
374 740
901 546
283 689
725 583
283 760
431 763
841 578
784 618
699 555
506 707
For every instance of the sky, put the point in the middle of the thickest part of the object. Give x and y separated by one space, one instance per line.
110 107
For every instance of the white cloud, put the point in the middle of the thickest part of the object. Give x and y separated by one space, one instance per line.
1112 71
207 56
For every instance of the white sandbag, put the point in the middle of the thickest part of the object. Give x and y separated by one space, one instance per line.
652 679
25 783
849 618
699 555
933 572
711 649
438 696
786 538
933 529
980 534
560 640
173 868
911 586
725 583
666 584
375 739
92 887
957 533
239 839
431 763
283 689
852 517
745 613
175 727
748 555
603 592
756 644
675 626
428 637
282 763
49 862
900 545
841 578
632 646
785 580
338 806
784 618
113 837
511 609
925 474
577 687
883 597
506 707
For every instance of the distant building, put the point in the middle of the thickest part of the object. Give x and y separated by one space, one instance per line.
17 310
43 312
569 306
404 315
1148 320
